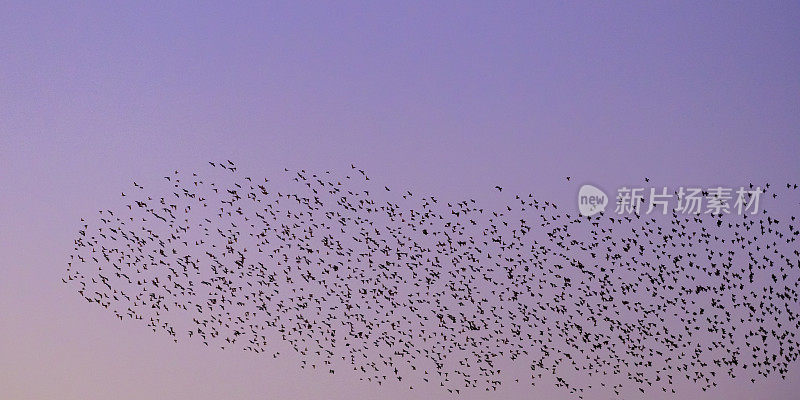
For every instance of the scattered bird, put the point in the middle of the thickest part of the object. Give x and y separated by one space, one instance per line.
449 293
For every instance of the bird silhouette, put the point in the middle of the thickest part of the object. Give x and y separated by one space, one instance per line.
457 294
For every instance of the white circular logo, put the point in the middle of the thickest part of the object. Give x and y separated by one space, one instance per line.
591 200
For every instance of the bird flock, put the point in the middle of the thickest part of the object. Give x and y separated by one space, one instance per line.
416 289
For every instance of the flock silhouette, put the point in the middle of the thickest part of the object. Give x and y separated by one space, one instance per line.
415 289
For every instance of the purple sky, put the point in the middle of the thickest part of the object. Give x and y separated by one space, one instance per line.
448 100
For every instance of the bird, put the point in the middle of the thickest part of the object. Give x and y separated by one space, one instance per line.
449 294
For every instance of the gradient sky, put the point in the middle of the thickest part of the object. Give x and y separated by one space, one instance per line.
447 99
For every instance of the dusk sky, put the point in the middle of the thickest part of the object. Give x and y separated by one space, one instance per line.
444 98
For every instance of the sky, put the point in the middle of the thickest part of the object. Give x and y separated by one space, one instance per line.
446 98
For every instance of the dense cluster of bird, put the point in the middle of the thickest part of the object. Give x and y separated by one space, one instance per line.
421 290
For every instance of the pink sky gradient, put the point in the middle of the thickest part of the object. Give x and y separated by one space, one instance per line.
448 99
